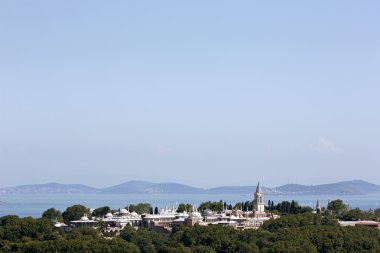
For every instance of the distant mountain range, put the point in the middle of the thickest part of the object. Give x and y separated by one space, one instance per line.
137 187
354 187
50 188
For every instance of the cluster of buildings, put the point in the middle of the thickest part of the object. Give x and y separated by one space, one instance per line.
168 218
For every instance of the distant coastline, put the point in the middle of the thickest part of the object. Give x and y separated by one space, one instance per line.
354 187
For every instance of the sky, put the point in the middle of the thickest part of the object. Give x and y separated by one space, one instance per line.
205 93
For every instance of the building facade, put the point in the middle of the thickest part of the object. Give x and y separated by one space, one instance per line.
258 200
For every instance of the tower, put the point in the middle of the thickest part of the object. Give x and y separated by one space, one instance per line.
258 200
318 207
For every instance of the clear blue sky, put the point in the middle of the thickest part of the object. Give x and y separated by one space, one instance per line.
199 92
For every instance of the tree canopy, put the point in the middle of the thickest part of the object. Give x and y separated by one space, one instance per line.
337 207
52 214
75 212
101 211
213 206
184 207
141 208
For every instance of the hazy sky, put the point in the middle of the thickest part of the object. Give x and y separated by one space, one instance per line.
205 93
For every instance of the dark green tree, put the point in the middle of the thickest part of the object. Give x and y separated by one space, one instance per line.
52 214
184 207
352 215
377 214
101 211
337 207
213 206
140 208
75 212
238 206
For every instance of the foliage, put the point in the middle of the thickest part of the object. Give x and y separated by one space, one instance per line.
184 207
213 206
352 215
286 207
39 235
337 207
101 211
377 214
149 241
14 228
141 208
299 220
248 205
75 212
52 214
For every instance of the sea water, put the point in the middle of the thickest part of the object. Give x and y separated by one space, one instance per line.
34 204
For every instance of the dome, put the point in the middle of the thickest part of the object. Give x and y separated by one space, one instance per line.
84 218
134 214
123 211
108 215
195 214
207 212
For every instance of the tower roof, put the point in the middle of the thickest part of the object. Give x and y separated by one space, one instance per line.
258 188
318 206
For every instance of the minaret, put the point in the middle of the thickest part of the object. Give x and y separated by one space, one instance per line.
258 200
318 207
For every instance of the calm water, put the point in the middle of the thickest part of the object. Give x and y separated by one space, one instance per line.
34 204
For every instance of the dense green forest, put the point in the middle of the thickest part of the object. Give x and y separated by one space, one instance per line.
292 233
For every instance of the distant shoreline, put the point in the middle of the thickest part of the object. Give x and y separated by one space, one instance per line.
353 187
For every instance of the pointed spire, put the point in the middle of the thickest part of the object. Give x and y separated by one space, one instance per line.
258 188
318 206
